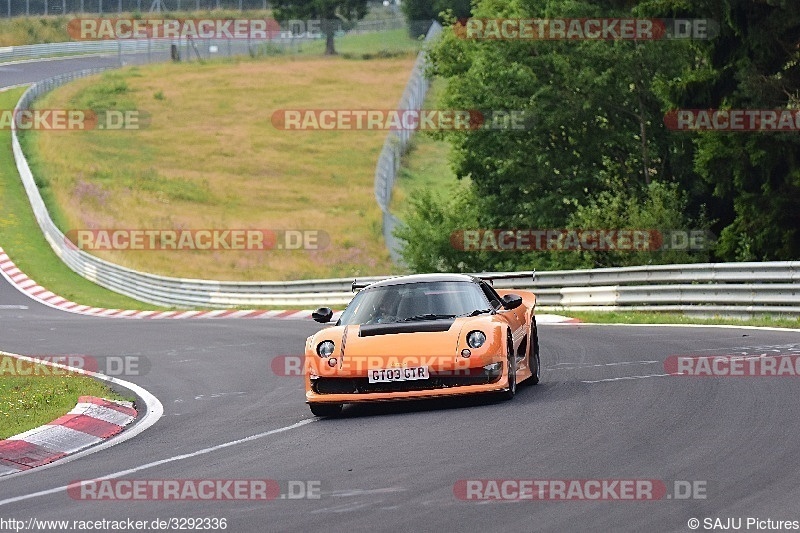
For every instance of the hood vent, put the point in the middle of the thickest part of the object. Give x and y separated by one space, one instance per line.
430 326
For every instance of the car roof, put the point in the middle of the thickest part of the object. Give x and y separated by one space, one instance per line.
422 278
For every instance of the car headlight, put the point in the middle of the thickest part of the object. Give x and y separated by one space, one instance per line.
325 348
475 339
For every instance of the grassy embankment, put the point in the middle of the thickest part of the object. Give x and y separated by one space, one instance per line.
212 158
24 242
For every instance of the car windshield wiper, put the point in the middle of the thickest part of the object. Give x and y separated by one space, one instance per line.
428 316
479 312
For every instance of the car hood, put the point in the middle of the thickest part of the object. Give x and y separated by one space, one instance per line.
429 337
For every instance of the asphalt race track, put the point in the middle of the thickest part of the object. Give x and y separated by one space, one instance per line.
393 467
32 71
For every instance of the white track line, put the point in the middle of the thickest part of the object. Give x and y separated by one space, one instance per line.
154 464
579 366
627 377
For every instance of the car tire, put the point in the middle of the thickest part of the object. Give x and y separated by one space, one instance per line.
511 362
533 359
325 409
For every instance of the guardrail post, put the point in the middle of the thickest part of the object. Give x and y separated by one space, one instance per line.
396 144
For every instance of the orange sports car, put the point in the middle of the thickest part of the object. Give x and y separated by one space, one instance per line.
423 336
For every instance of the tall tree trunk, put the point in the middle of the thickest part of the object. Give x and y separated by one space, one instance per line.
328 28
639 88
329 48
643 135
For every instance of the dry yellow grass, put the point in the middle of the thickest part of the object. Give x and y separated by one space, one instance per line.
211 158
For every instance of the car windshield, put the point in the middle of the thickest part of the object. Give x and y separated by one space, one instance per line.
415 301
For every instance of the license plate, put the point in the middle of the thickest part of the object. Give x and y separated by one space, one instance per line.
387 375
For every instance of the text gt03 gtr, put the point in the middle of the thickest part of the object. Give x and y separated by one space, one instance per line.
423 336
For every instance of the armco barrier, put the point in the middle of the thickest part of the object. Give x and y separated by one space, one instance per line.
743 288
159 49
151 50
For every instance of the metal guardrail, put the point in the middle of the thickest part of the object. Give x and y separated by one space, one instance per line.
156 49
396 144
27 8
739 288
160 48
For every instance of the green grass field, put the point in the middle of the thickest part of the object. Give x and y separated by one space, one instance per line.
32 394
639 317
212 158
364 46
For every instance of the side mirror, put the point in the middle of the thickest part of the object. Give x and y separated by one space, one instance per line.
511 301
322 315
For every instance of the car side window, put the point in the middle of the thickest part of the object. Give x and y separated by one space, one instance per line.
493 297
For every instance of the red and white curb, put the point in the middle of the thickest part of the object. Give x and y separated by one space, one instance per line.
36 292
90 422
30 288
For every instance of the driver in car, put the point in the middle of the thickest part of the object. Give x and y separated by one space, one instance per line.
384 313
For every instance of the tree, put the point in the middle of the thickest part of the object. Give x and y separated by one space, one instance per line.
755 177
656 207
593 117
332 14
428 229
420 13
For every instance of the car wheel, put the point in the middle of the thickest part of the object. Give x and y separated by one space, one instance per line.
511 361
533 360
325 409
